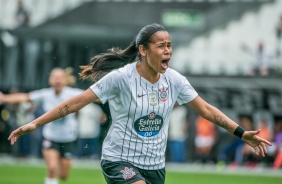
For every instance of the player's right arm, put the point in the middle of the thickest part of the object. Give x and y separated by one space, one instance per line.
14 98
69 106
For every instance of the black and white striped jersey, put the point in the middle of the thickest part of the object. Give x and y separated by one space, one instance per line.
140 114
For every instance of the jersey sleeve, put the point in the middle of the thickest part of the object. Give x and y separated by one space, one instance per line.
107 87
186 92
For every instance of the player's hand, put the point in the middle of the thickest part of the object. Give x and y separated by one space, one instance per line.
259 144
21 131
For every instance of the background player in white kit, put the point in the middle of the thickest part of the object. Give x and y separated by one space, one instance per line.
59 135
141 96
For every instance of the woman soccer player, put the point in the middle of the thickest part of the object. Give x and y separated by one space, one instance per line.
60 135
141 95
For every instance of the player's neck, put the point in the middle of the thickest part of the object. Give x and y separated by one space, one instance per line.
147 72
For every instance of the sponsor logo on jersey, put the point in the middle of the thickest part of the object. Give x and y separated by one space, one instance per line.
141 95
153 99
149 125
127 173
163 94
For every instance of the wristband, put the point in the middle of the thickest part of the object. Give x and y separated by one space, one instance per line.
239 131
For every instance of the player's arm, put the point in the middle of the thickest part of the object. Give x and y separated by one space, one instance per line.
14 98
69 106
214 115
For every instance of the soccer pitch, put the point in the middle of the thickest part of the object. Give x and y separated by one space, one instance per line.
29 174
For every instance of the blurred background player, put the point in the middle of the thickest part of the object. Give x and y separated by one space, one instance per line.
90 118
178 133
59 136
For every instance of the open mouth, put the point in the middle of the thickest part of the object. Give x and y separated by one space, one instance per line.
164 63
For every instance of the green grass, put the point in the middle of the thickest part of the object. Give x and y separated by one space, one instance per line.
208 178
10 174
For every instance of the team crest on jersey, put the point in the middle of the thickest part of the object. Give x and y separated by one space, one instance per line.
163 94
127 173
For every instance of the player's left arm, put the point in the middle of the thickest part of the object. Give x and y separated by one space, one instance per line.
214 115
69 106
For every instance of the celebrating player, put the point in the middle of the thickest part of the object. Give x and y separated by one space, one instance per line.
141 95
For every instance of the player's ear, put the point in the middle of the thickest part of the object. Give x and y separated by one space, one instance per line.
142 50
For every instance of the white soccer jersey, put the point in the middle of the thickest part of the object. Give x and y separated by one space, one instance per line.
140 114
63 129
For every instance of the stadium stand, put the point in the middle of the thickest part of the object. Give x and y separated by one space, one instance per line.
40 11
223 46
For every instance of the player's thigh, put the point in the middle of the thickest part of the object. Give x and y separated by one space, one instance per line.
121 173
65 165
50 153
51 157
66 152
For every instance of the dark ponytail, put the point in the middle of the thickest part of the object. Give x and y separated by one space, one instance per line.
103 63
115 58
